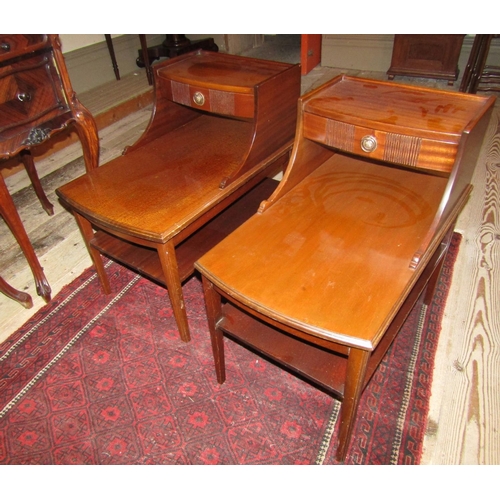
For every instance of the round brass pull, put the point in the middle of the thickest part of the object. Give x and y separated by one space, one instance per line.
24 96
199 98
368 143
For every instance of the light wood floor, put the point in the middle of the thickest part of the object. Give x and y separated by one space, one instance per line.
464 414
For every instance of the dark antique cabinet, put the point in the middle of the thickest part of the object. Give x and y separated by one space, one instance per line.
222 127
322 277
426 56
36 102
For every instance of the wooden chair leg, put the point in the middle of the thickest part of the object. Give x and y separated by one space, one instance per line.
29 165
145 58
9 212
166 253
213 305
476 64
471 67
23 298
88 233
355 376
111 50
481 62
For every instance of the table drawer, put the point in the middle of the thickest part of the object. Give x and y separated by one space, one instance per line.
28 95
13 45
401 149
212 100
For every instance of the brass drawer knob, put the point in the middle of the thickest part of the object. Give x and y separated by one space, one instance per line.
5 46
24 96
368 143
199 98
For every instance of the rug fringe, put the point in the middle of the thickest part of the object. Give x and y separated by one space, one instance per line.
408 388
49 315
327 437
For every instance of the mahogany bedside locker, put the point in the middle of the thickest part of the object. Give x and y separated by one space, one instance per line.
222 127
321 279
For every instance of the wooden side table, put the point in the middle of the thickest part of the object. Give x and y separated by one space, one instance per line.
222 126
321 279
36 102
426 56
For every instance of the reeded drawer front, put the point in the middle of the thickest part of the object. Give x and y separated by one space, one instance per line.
212 100
28 94
401 149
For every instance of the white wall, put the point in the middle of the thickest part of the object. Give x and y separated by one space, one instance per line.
374 52
88 59
73 42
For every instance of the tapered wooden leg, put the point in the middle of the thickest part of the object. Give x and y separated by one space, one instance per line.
432 283
9 212
434 278
213 305
355 376
88 233
168 260
29 165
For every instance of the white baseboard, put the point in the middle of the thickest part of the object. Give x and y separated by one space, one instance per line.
91 66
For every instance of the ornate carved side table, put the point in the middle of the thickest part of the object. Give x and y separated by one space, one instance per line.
36 102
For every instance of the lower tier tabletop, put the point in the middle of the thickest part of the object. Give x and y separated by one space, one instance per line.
332 256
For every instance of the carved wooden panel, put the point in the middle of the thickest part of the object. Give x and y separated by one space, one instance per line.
28 94
402 149
180 93
339 135
222 102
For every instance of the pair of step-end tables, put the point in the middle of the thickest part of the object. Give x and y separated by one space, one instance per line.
318 272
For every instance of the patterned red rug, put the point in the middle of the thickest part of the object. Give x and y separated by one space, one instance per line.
95 379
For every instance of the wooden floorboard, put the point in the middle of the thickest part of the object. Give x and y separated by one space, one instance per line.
465 403
464 407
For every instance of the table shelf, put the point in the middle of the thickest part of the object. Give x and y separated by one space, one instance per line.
145 259
325 368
